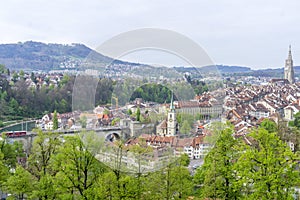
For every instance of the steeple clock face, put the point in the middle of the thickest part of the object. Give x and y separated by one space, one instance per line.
170 120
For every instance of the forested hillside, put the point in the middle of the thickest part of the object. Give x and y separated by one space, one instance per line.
32 56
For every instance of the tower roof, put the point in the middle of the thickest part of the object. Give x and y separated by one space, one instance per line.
290 52
288 68
172 103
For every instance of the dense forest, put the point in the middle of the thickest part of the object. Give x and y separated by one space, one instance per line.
261 167
152 92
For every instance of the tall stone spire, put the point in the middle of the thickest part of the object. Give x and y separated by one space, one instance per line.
289 68
290 53
172 107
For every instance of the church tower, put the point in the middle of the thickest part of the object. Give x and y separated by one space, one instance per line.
171 119
288 68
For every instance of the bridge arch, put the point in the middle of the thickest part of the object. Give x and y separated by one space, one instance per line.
111 137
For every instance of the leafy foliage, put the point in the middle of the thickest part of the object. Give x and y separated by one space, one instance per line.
10 152
185 128
269 125
267 168
20 183
260 167
152 92
59 167
218 175
55 120
83 121
138 114
78 167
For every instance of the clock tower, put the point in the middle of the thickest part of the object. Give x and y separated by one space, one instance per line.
172 123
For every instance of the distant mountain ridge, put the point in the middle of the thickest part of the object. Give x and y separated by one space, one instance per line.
38 56
211 68
32 55
229 69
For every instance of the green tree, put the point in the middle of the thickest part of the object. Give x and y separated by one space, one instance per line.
78 169
55 121
289 133
117 165
40 164
21 74
20 183
2 69
14 106
152 92
129 112
217 175
296 121
185 128
171 182
184 160
115 121
4 172
83 121
64 80
140 151
33 78
216 129
106 186
267 168
181 117
269 125
11 152
138 114
15 77
63 105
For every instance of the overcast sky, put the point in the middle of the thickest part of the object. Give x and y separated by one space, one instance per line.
233 32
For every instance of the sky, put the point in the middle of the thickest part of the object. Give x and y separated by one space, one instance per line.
233 32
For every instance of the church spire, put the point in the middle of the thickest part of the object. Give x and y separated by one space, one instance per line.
289 68
290 52
172 103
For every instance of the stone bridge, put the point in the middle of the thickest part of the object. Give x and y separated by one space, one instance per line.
106 132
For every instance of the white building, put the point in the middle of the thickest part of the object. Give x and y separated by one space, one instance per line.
290 111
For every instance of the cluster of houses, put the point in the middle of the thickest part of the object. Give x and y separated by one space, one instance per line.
251 103
39 79
72 120
65 120
195 147
246 106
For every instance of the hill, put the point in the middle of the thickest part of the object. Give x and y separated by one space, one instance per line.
228 69
40 56
212 68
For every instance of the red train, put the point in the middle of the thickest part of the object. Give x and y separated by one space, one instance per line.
12 134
